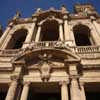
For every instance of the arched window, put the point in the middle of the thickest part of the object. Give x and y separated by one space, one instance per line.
50 31
82 35
17 39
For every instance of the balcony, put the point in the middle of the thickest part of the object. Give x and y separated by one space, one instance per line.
54 44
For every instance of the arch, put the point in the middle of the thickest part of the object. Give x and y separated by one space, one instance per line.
17 39
50 29
82 35
19 27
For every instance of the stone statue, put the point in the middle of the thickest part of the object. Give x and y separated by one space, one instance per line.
17 15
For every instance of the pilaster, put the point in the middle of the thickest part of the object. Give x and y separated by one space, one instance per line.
96 36
66 28
61 35
38 33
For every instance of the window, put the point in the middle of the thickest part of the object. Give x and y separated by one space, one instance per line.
82 35
17 39
50 31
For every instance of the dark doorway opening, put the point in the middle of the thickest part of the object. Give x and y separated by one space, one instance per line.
92 91
44 96
3 91
50 31
92 95
50 91
3 95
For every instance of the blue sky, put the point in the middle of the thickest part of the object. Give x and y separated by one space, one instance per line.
27 7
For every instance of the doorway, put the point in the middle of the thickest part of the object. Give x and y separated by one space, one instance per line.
44 92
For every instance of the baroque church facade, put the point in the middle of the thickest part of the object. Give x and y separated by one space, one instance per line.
52 55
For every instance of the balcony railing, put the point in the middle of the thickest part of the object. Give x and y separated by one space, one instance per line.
86 49
54 44
50 44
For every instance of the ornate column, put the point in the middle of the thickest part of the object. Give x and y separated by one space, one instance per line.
25 91
12 89
82 91
5 33
64 90
74 89
38 34
61 31
66 28
96 30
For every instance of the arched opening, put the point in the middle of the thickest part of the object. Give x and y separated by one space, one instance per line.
50 31
17 39
82 35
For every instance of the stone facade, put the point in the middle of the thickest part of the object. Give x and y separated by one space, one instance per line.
53 51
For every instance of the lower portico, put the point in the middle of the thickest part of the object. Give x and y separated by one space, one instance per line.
54 90
52 74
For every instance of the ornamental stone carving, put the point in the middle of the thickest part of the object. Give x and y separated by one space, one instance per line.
45 67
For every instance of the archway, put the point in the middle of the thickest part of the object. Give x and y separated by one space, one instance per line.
44 91
82 35
50 31
17 39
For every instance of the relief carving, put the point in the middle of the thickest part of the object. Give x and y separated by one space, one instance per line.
45 67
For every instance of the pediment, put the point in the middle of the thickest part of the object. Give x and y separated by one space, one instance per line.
58 54
46 60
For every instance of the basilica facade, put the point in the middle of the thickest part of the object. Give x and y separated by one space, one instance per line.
52 55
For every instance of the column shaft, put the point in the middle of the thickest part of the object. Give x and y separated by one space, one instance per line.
64 91
75 92
61 32
12 91
25 91
66 30
29 36
83 97
38 34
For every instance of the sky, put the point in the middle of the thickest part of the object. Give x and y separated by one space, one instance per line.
8 8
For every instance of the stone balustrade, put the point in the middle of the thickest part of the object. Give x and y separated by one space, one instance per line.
54 44
86 49
51 44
